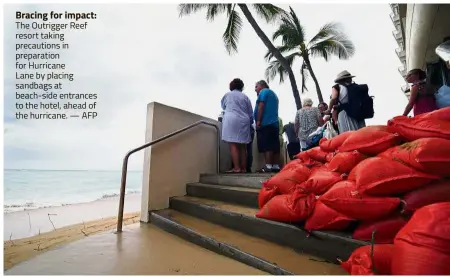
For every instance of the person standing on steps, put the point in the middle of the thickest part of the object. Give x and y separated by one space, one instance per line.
352 102
293 146
267 126
236 124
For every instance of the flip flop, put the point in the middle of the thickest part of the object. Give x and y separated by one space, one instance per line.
232 172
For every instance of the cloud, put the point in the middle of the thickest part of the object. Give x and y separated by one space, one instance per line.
134 54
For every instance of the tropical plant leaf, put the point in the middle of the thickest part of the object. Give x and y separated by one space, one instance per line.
283 49
290 30
328 30
338 45
231 34
269 12
215 9
187 9
275 68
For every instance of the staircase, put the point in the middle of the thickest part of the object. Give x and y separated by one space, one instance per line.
218 213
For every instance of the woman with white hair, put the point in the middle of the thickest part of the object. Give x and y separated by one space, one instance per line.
307 120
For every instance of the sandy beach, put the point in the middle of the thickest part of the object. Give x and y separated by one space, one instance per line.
29 233
19 250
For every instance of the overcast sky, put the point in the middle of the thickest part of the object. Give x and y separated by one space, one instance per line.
136 54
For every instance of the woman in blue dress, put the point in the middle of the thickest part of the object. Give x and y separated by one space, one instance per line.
236 124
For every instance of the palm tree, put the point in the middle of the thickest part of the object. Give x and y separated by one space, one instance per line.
268 12
329 41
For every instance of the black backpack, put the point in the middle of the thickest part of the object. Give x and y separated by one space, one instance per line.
360 103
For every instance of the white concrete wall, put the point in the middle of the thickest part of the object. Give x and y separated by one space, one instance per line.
426 26
171 164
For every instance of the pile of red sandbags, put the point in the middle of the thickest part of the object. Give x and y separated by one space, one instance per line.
421 247
377 177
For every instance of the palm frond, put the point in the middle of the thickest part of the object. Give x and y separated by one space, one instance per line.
283 49
338 45
231 34
305 76
328 30
275 68
269 12
290 30
187 9
214 9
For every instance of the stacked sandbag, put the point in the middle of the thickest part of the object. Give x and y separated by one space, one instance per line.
294 207
370 260
435 124
422 246
373 179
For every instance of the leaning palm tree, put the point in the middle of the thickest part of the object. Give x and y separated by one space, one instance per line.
268 12
329 41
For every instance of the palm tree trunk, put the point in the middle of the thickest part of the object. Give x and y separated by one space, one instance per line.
277 54
313 76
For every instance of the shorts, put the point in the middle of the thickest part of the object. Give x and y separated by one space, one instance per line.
268 139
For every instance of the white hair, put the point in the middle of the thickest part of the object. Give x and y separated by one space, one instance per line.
307 102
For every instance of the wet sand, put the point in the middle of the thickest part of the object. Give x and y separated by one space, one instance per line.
142 249
19 250
29 223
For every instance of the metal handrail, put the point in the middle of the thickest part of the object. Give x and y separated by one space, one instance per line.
125 163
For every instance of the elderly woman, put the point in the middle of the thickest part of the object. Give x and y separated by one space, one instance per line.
422 95
307 120
236 125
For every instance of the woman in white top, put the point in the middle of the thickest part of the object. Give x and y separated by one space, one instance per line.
339 95
236 124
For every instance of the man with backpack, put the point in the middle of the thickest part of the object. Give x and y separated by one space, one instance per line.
352 103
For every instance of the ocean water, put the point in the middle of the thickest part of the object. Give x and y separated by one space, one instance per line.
33 189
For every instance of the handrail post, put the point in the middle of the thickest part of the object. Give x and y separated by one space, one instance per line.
125 163
123 184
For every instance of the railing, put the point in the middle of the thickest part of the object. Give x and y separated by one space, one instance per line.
125 163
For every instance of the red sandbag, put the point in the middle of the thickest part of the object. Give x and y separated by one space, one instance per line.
409 259
317 154
370 141
307 161
321 180
287 179
361 261
344 198
383 177
325 218
293 207
344 162
427 195
386 229
429 155
420 127
265 194
422 247
292 164
329 157
331 145
440 114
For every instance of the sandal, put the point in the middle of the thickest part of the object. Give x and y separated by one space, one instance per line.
233 172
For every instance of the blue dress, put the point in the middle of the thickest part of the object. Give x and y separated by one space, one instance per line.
237 118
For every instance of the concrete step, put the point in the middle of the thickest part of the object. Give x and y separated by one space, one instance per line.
267 256
326 245
236 180
237 195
